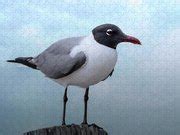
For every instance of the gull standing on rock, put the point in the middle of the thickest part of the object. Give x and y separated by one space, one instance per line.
80 61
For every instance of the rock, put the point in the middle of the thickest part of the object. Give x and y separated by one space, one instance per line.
73 129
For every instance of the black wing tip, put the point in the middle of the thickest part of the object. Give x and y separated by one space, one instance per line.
10 61
24 61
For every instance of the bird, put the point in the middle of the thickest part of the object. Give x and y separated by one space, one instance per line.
80 61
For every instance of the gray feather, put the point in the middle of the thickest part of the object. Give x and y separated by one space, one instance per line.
55 62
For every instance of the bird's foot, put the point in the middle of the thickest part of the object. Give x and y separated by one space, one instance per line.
94 125
63 123
84 123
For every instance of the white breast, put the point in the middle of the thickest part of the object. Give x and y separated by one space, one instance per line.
100 62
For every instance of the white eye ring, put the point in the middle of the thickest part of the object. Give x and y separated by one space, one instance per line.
109 32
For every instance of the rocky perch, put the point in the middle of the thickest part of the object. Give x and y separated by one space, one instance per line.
73 129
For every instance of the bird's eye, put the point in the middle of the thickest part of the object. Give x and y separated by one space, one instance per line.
109 32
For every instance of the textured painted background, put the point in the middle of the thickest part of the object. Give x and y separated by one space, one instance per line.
141 98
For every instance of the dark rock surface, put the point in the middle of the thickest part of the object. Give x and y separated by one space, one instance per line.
70 130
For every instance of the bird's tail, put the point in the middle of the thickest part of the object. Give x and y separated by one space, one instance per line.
25 61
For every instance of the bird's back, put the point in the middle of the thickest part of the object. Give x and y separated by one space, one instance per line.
55 61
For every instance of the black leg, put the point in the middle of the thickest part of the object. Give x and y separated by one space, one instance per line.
85 105
64 107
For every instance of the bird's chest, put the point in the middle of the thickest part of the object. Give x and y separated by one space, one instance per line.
100 61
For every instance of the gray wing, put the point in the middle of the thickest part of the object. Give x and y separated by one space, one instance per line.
55 62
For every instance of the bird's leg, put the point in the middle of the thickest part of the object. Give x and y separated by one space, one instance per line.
85 105
65 99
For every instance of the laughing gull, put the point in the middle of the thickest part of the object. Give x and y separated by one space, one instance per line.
80 61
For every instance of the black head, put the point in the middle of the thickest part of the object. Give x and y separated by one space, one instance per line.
110 35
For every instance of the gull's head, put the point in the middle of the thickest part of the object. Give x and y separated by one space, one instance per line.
111 35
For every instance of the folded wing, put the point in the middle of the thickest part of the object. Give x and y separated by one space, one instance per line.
56 62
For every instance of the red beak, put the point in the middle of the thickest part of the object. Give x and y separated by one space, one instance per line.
132 40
